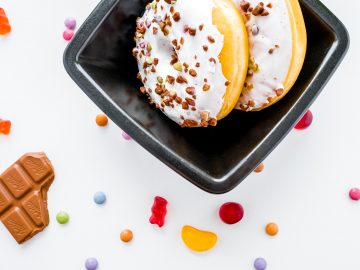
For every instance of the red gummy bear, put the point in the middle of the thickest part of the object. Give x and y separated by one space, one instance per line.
5 127
158 211
5 27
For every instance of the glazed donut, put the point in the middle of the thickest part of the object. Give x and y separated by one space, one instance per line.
188 64
277 41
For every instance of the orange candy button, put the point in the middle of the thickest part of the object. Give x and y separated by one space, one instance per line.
272 229
4 23
259 168
102 120
126 236
198 240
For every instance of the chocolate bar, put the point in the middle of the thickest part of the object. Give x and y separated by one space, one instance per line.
23 195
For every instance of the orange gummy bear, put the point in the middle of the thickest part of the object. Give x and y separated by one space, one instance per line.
5 126
5 27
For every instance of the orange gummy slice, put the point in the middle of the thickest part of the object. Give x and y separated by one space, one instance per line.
5 27
5 126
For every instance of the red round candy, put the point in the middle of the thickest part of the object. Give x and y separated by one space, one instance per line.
354 194
305 121
231 212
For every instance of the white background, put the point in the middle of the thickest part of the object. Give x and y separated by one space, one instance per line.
303 188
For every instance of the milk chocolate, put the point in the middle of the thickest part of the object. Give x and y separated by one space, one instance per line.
23 195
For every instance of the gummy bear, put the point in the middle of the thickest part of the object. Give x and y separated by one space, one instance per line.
5 27
5 127
158 211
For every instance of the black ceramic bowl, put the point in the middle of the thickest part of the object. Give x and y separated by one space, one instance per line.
216 159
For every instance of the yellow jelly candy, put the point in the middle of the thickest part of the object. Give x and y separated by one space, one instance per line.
198 240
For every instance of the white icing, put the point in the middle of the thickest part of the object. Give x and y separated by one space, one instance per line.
274 29
193 13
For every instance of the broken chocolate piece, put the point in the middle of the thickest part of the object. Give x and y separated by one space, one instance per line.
23 196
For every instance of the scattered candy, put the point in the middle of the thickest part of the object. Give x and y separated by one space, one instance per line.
354 194
126 236
91 264
260 264
5 27
272 229
62 217
260 168
102 120
68 34
198 240
158 211
99 197
126 136
70 23
231 212
305 121
5 126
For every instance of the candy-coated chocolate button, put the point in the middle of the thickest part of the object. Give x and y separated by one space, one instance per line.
198 240
91 264
272 229
99 197
260 264
231 212
126 136
126 235
5 126
102 120
68 34
62 217
305 121
354 194
70 23
259 168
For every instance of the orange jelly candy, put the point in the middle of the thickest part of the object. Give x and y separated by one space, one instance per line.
5 127
198 240
5 27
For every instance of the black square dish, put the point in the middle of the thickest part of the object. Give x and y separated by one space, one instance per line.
215 159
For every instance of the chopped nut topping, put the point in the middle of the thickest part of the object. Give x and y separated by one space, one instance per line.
211 39
192 72
227 83
269 5
279 92
180 79
197 64
205 47
206 87
190 101
213 60
185 105
190 90
190 123
271 50
143 89
170 79
192 31
201 27
244 6
176 16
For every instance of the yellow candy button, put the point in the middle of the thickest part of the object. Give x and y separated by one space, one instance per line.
198 240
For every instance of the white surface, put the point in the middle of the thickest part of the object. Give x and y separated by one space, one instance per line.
303 188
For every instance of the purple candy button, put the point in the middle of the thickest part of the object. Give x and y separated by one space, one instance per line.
126 136
91 264
260 264
70 23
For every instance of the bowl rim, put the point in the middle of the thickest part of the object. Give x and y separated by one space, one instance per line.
193 174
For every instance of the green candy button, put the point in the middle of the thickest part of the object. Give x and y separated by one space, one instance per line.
62 217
